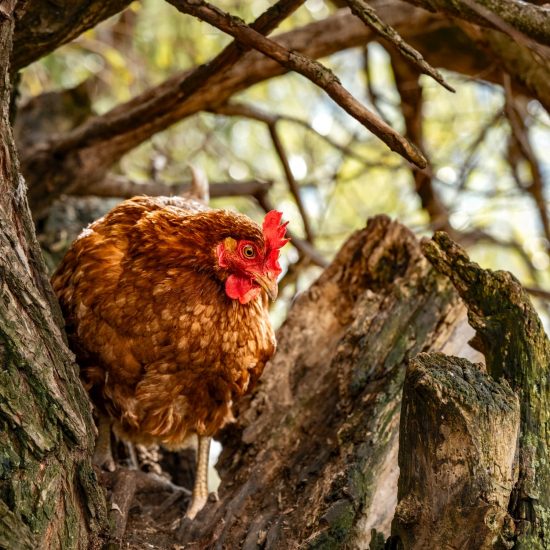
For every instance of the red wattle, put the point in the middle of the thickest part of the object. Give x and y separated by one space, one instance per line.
241 288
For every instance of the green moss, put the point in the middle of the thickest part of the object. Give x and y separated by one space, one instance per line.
340 519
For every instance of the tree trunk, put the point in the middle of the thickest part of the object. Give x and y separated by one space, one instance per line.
49 496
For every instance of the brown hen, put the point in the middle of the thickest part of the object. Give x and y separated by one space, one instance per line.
166 309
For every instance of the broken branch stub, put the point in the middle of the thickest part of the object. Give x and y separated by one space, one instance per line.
457 446
512 338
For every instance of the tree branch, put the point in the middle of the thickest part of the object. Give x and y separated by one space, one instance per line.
520 138
85 154
120 186
410 92
500 24
40 28
538 292
304 247
470 160
528 18
312 70
254 113
291 182
368 15
240 109
124 120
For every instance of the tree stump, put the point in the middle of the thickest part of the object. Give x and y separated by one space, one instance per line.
457 447
516 348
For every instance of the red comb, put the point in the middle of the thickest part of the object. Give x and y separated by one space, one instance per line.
274 230
274 237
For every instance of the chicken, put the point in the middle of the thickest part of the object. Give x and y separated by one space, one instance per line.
166 308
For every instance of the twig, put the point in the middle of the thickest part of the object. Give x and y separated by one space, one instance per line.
254 113
468 164
520 136
292 185
410 93
369 16
538 292
467 238
312 70
371 92
120 186
271 122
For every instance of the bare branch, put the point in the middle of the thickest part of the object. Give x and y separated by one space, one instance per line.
538 292
193 81
410 92
292 185
368 15
521 139
239 109
526 17
372 94
301 245
254 113
469 163
85 155
120 186
39 29
312 70
468 238
495 19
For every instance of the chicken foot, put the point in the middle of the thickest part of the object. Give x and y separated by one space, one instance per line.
103 456
200 489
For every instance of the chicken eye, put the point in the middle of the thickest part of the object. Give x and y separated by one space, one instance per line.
248 251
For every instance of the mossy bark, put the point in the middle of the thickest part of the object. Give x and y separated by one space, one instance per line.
516 348
49 496
457 444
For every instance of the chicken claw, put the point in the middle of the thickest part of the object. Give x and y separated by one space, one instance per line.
200 490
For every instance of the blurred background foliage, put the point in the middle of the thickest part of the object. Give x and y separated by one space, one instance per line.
345 174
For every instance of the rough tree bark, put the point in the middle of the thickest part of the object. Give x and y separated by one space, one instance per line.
49 496
474 442
516 349
456 455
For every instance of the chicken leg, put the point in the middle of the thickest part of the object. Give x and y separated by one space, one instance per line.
200 490
103 456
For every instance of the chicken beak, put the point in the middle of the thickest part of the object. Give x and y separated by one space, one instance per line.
268 283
